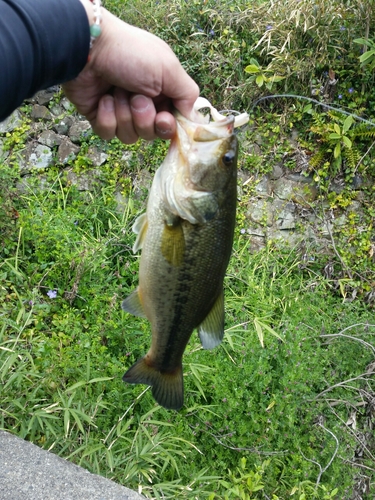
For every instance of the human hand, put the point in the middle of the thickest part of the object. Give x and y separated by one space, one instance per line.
131 83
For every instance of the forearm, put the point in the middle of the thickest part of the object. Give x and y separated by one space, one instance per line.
42 42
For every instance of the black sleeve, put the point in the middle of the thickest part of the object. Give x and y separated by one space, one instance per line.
42 43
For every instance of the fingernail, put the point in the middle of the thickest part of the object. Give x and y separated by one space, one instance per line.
140 103
163 131
163 127
108 103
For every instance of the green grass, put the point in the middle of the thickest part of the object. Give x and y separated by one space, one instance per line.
62 359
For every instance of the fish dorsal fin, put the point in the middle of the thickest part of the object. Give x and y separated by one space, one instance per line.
173 241
211 330
140 229
132 304
167 388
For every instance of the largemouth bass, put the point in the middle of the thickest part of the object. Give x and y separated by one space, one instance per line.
186 239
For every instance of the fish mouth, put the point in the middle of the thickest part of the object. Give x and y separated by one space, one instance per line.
215 117
213 125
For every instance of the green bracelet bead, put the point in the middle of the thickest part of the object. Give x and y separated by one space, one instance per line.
95 30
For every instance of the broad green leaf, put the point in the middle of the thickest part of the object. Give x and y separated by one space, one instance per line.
348 143
335 136
259 80
364 41
337 150
277 78
337 129
347 124
367 56
252 68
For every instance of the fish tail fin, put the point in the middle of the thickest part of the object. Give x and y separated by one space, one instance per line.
167 388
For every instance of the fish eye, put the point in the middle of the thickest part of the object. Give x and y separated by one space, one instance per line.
228 157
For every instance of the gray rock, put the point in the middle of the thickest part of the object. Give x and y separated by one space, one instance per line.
142 183
67 151
294 138
85 181
340 221
302 193
337 187
30 473
127 156
260 212
284 215
301 178
288 221
96 156
288 237
27 183
253 149
256 231
277 172
77 130
283 188
327 229
40 156
44 96
56 109
263 188
121 201
49 138
63 126
40 113
3 154
356 206
66 104
357 181
256 243
12 122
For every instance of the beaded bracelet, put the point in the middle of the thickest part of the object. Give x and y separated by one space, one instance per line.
95 29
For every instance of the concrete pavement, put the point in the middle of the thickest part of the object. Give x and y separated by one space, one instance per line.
29 473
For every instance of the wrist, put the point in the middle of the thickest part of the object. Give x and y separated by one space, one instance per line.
93 10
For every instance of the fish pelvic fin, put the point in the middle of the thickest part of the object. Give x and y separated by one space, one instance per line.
173 242
133 305
167 388
140 229
211 330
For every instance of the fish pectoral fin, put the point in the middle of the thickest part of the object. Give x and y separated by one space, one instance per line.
133 305
211 330
167 388
140 229
173 243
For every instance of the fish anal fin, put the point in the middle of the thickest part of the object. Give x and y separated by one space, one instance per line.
211 330
140 229
167 388
173 243
133 305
